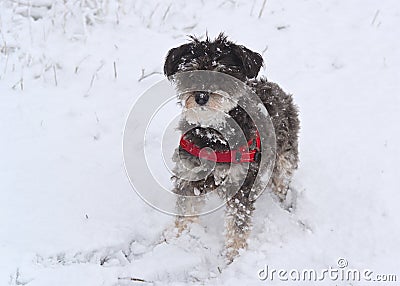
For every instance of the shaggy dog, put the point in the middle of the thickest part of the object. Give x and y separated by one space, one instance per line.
243 64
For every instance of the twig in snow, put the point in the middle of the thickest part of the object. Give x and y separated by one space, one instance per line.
166 12
117 17
263 51
115 70
262 9
55 75
4 48
135 279
376 15
282 27
305 226
20 83
143 76
93 78
104 260
189 28
5 66
80 62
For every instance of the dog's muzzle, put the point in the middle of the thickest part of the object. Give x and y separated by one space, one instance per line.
201 97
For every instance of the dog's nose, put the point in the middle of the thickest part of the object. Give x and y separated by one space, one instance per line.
201 97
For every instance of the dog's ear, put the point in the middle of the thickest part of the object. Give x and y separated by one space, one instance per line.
174 58
251 61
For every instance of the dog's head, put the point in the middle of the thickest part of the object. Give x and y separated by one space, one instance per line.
219 55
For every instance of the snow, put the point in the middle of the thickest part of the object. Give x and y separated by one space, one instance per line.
69 74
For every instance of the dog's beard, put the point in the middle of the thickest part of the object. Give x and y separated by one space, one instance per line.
204 116
214 113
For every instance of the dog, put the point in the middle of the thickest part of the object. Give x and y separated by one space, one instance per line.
224 56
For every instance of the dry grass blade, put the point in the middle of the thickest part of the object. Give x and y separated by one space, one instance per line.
135 279
262 9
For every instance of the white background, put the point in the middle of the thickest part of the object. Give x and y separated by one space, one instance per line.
66 205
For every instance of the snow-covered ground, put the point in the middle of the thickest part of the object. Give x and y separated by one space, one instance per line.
69 73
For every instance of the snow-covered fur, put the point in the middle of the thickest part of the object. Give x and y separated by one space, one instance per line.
238 61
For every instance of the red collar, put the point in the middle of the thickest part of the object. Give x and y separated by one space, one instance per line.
238 155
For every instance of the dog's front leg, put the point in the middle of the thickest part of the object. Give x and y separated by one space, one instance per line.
285 165
182 223
190 206
237 224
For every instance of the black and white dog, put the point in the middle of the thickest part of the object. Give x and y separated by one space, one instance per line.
243 64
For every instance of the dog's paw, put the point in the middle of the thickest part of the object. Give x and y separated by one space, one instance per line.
230 255
180 226
288 201
170 233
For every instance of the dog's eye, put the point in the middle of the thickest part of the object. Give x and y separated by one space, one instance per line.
233 69
229 60
226 62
